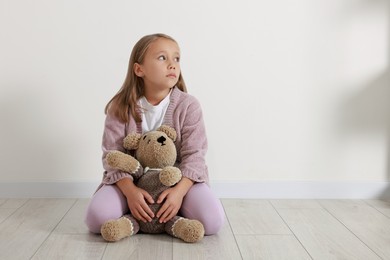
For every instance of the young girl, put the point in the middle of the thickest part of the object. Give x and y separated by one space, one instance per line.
153 94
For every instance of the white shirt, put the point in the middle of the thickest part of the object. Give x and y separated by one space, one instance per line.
153 116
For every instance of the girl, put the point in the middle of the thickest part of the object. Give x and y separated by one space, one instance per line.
153 94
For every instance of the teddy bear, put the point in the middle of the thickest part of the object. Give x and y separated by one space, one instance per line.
152 170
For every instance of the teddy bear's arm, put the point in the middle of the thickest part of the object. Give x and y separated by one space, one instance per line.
170 175
124 162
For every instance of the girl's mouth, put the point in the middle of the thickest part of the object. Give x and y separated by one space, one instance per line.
171 75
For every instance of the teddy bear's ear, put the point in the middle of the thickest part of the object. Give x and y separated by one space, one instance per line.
169 131
131 141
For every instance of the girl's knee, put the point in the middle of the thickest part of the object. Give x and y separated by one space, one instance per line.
213 224
94 220
96 217
107 203
93 226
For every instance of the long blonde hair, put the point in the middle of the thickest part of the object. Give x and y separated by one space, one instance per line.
133 87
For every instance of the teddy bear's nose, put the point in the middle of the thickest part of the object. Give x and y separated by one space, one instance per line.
161 140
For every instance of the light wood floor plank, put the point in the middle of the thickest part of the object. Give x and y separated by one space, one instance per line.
71 246
371 226
141 247
9 206
251 217
323 236
13 203
73 222
219 246
381 205
272 247
5 213
27 228
254 229
295 204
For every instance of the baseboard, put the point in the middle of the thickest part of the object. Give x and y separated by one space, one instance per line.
223 189
302 190
47 189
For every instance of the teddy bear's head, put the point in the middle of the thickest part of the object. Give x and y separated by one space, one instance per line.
155 149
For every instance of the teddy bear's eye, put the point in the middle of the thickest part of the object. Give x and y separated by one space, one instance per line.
144 137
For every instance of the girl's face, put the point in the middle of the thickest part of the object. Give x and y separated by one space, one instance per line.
160 68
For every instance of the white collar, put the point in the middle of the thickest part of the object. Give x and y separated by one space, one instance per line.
146 169
146 105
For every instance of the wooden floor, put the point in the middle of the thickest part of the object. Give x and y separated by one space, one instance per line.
254 229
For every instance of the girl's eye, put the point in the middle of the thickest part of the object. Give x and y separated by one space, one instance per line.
162 57
177 59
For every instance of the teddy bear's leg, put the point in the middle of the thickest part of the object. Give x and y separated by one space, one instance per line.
116 229
189 230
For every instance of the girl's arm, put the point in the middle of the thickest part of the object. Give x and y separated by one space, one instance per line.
113 135
193 143
193 167
184 185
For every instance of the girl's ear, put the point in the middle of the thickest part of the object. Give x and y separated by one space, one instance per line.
131 141
169 131
138 70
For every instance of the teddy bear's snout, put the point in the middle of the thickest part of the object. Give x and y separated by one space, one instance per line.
161 140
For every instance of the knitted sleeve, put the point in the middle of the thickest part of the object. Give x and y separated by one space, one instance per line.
193 144
113 135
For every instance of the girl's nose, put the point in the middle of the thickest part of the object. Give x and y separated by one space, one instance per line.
171 64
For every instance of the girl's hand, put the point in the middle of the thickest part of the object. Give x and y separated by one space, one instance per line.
173 199
136 200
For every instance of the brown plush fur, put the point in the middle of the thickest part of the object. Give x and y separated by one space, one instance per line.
117 229
128 163
155 150
189 230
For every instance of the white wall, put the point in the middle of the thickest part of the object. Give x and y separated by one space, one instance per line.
291 90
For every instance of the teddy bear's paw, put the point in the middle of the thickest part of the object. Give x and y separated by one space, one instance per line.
113 158
170 175
115 230
122 161
189 230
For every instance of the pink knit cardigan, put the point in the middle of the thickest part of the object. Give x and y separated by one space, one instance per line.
184 114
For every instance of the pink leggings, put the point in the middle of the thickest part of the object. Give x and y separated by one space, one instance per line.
200 203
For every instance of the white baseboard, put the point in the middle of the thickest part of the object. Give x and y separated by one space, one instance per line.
223 189
47 189
302 190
